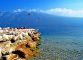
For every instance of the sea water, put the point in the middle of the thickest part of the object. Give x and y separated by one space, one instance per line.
66 44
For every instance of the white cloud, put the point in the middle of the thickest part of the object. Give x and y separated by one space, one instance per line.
65 12
34 10
18 10
57 11
62 12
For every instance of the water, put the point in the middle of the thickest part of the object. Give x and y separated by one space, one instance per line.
62 37
65 44
60 43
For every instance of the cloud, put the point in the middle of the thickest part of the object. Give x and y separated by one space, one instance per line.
18 10
65 12
57 11
62 12
34 10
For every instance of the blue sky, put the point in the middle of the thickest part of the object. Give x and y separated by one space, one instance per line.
62 6
27 4
40 4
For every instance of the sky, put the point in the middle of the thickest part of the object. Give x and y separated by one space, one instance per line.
55 7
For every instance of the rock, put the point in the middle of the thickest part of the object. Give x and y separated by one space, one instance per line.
22 40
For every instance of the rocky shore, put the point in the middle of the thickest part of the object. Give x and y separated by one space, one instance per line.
18 43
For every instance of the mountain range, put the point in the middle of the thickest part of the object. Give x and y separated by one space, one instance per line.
38 20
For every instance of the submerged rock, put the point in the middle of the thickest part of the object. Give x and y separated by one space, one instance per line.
18 44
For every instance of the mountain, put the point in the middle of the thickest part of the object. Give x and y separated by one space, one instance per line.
41 21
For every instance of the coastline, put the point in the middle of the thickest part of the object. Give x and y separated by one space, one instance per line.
19 43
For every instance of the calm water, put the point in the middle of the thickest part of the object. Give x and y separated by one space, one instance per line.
65 44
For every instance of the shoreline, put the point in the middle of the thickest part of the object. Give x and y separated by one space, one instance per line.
19 43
